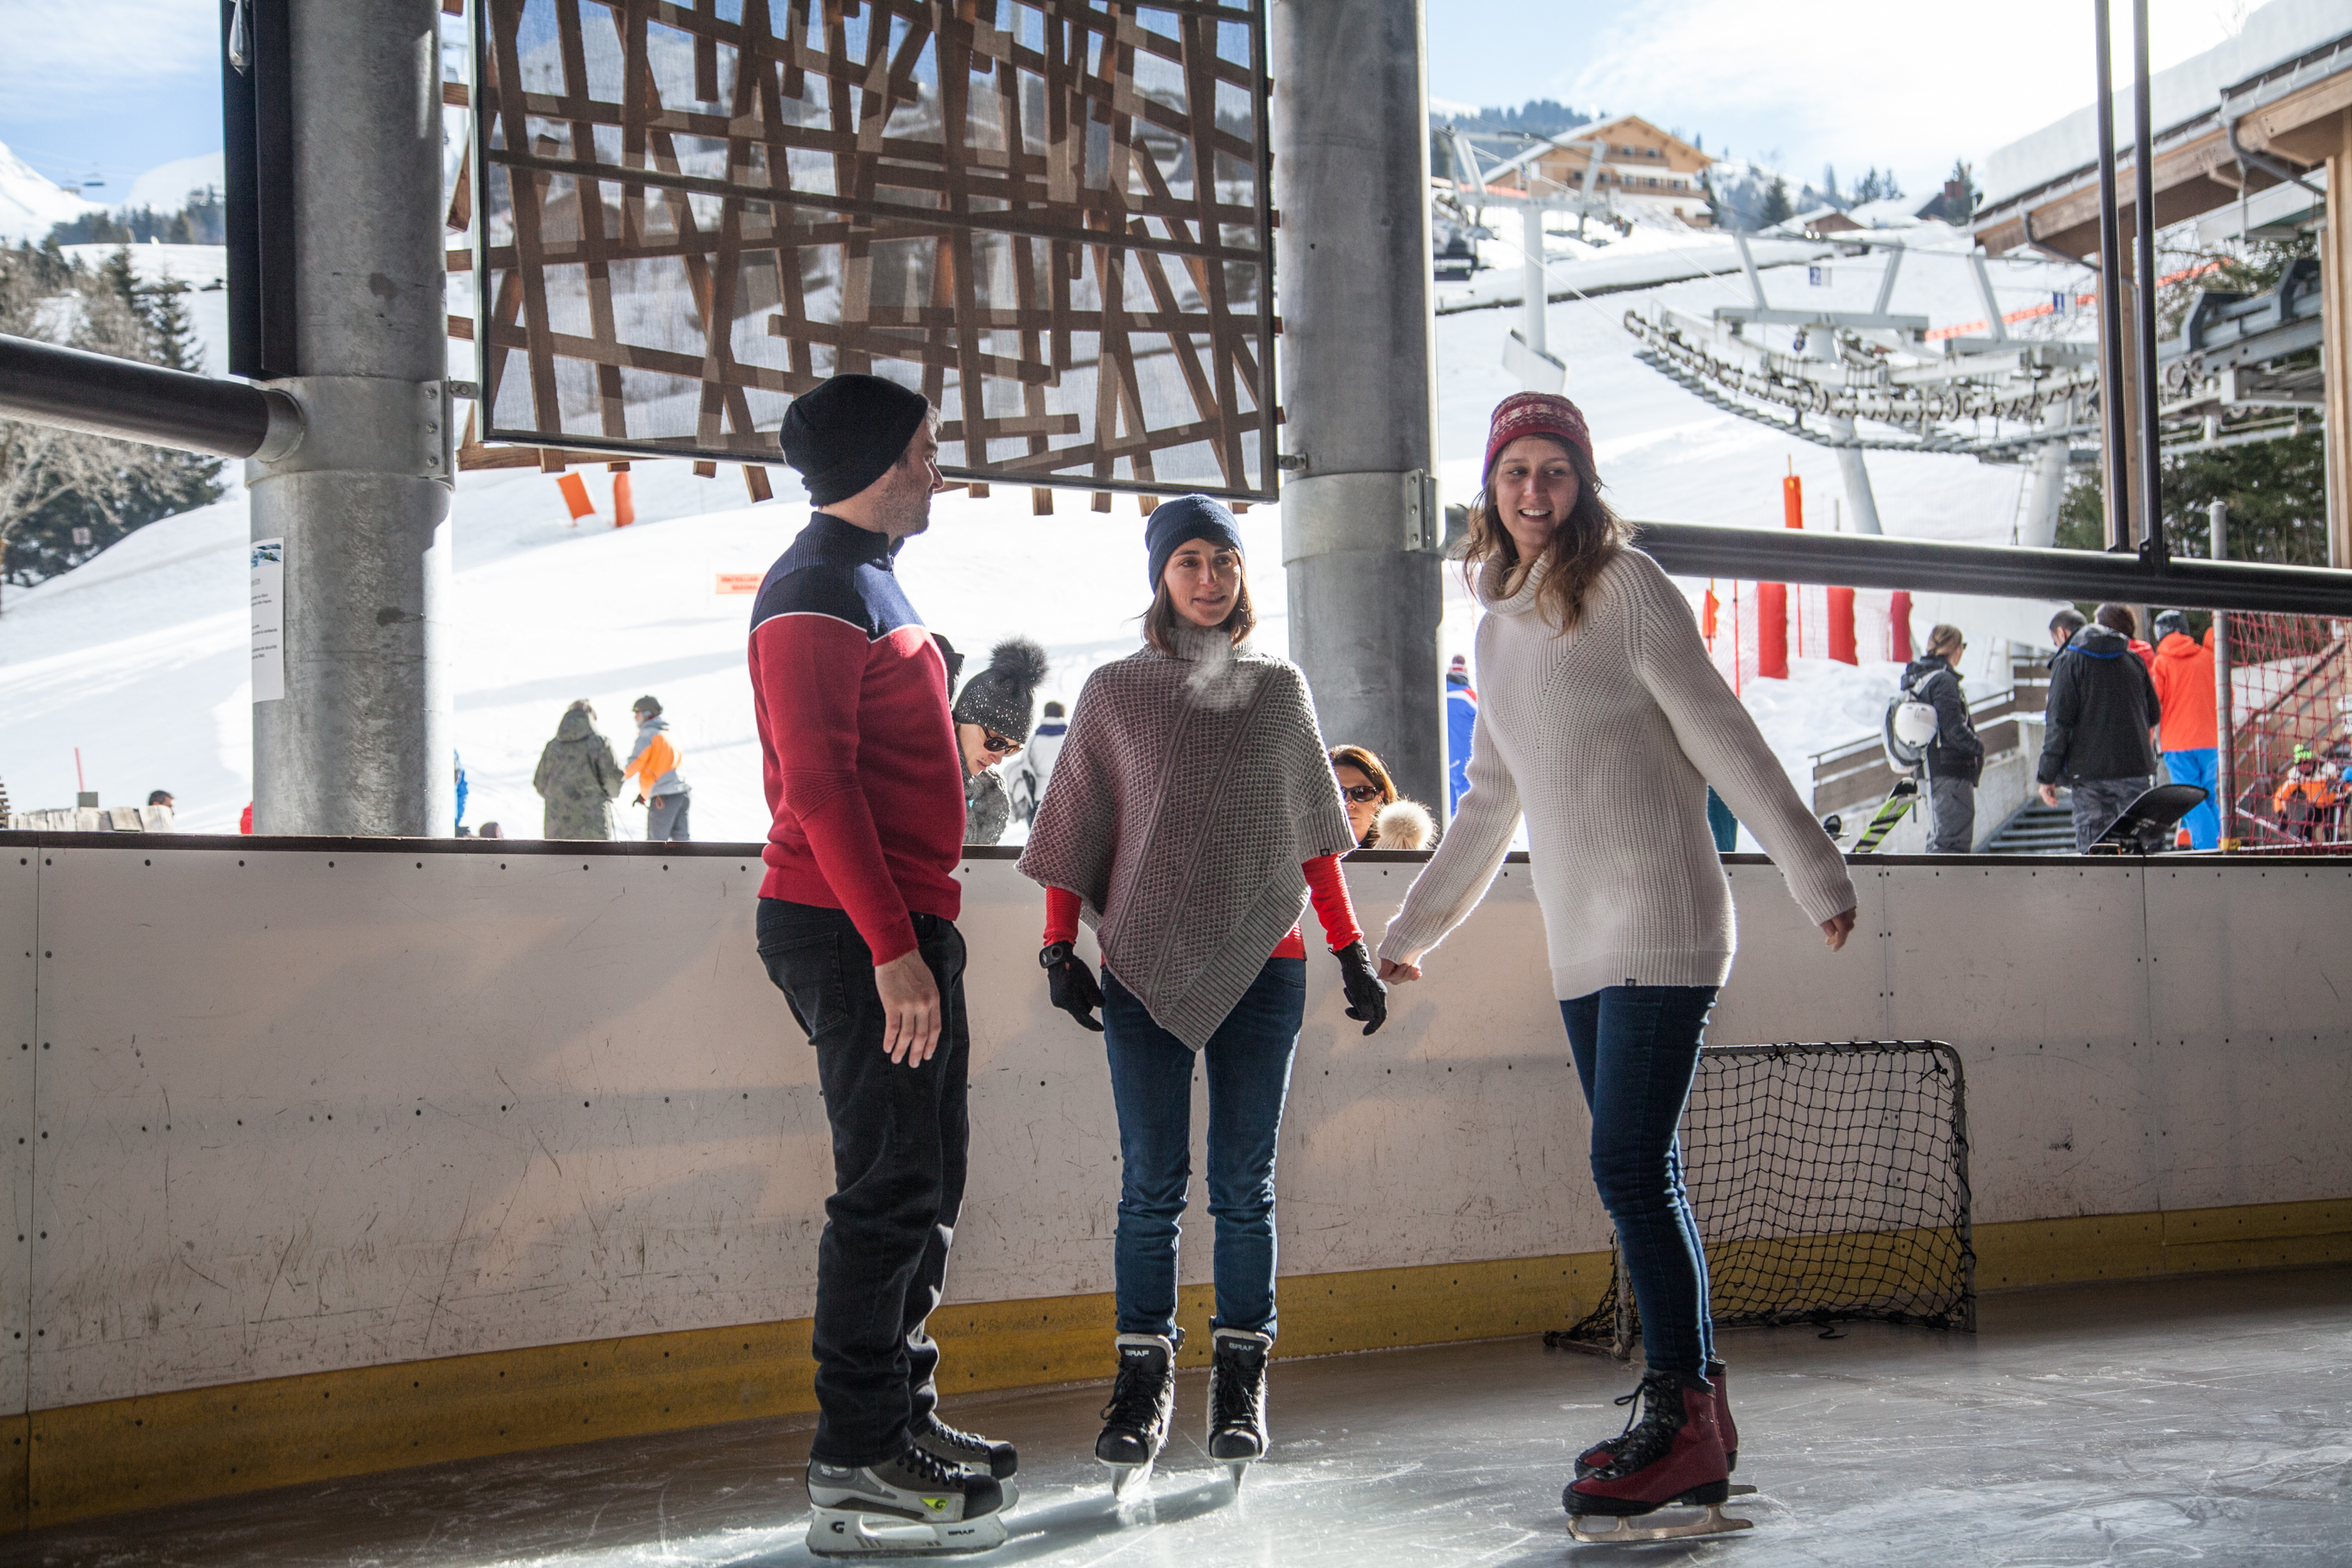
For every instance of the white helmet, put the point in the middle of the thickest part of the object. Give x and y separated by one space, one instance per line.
1915 723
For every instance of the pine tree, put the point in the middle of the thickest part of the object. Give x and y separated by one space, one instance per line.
1776 208
55 482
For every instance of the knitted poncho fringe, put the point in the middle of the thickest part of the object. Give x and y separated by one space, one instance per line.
1189 791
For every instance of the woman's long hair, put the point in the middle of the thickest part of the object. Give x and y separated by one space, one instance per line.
1572 558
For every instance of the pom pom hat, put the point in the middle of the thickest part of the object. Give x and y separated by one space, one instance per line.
1535 413
1000 697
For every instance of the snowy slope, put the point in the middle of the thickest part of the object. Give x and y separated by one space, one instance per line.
30 204
140 656
165 186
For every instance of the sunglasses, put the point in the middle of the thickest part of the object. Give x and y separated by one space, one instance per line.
990 741
1362 795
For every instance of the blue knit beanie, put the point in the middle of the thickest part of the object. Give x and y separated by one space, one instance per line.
1183 518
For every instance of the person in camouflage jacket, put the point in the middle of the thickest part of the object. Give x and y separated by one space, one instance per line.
578 777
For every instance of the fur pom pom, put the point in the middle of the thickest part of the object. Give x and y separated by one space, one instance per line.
1404 824
1019 660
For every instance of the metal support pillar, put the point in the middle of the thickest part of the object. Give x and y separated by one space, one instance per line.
2150 469
1852 466
2335 354
2115 399
360 744
2225 717
1537 292
2047 497
1361 527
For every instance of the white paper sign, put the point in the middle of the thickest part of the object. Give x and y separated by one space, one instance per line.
268 619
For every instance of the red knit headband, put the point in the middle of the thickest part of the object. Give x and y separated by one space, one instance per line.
1536 413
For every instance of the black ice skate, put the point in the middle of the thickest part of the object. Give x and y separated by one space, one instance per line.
1142 1402
973 1451
914 1504
1237 1398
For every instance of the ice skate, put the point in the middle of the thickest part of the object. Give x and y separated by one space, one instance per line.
1671 1456
1142 1402
1595 1457
1237 1399
915 1504
973 1451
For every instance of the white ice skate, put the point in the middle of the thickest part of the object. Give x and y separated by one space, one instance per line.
915 1504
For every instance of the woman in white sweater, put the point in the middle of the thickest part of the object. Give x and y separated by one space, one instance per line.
1602 720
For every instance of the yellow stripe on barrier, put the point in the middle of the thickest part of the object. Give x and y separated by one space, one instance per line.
84 1460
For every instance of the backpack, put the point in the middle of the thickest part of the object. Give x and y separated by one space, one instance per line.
1910 725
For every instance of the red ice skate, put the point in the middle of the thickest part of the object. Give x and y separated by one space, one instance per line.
1598 1455
1669 1456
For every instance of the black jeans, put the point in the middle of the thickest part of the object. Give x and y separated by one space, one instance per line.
898 1145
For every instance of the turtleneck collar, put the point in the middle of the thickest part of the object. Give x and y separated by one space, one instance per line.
1489 589
1201 645
855 543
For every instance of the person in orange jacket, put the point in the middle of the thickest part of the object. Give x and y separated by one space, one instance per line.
2307 798
653 764
2183 673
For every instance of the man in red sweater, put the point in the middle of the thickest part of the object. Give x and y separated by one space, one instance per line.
856 927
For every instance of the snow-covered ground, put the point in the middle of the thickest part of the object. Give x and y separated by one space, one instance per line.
31 203
140 656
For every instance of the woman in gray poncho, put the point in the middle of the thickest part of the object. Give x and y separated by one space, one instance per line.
1190 813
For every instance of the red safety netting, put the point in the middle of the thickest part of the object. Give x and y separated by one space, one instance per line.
2291 699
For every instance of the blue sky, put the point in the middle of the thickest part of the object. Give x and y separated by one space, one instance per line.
113 88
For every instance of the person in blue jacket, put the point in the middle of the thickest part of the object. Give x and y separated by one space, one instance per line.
1461 720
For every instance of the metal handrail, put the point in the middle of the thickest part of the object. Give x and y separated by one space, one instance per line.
1999 570
73 389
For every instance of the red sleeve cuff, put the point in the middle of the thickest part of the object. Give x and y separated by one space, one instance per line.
1061 916
1327 885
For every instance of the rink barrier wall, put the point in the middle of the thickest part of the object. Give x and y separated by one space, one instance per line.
579 1146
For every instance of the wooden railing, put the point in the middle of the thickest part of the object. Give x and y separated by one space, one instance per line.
1856 772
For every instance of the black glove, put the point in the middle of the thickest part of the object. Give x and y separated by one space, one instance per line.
1072 984
1367 995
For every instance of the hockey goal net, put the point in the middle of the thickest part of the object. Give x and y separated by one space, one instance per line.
1830 1183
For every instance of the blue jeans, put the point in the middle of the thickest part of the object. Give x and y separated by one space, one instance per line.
1248 1064
1636 1050
2201 766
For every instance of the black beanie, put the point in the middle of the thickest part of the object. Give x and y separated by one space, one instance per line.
1183 518
847 433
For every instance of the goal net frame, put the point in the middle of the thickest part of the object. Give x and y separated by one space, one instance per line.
1796 1233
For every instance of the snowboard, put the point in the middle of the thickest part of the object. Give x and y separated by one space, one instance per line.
2140 829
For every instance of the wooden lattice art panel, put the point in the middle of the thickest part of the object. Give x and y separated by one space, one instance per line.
1049 215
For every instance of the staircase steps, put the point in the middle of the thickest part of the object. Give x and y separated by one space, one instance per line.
2035 829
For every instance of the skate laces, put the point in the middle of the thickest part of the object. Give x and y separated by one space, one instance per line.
1135 1396
928 1470
957 1437
1650 1430
1232 1388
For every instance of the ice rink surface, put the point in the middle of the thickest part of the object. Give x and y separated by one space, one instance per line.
2204 1420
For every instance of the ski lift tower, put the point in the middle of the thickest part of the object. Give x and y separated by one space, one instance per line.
1526 353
